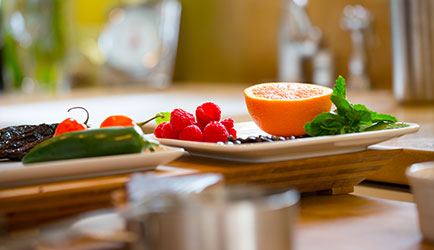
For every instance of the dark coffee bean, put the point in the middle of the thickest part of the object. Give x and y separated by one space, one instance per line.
251 139
231 138
260 138
241 140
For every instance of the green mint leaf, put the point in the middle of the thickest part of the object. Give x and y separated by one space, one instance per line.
325 124
338 97
353 118
165 118
386 125
348 118
361 107
382 117
342 104
374 116
365 115
340 88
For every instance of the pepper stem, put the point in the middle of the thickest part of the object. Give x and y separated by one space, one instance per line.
153 118
87 114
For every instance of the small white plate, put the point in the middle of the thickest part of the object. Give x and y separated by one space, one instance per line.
290 149
101 224
16 174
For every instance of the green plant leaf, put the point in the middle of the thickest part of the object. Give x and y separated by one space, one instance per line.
342 104
162 117
386 125
348 118
340 88
382 117
325 124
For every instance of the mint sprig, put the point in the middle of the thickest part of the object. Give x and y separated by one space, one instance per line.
347 118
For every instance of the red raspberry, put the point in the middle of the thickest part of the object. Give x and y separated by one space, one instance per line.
215 132
198 125
233 132
157 130
191 133
208 112
165 130
180 119
229 123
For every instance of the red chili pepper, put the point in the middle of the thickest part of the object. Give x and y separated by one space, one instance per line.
118 121
70 124
123 121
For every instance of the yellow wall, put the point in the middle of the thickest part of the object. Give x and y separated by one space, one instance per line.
236 40
227 40
92 12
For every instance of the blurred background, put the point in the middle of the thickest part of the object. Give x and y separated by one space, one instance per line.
58 45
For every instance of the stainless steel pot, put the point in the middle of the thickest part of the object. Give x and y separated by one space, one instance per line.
231 218
412 25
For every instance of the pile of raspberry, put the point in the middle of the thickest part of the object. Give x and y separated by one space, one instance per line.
206 127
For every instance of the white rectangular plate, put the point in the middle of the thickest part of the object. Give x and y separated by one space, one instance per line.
290 149
17 174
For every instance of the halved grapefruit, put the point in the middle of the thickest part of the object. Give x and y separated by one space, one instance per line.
284 108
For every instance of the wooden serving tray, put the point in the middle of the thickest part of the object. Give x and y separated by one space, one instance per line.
23 207
334 174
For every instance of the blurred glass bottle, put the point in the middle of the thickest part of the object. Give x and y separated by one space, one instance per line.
123 42
358 21
1 49
34 45
301 42
412 30
139 42
85 60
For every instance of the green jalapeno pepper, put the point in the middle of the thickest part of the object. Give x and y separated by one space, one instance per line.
90 143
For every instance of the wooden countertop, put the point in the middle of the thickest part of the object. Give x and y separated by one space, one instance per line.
339 222
357 222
